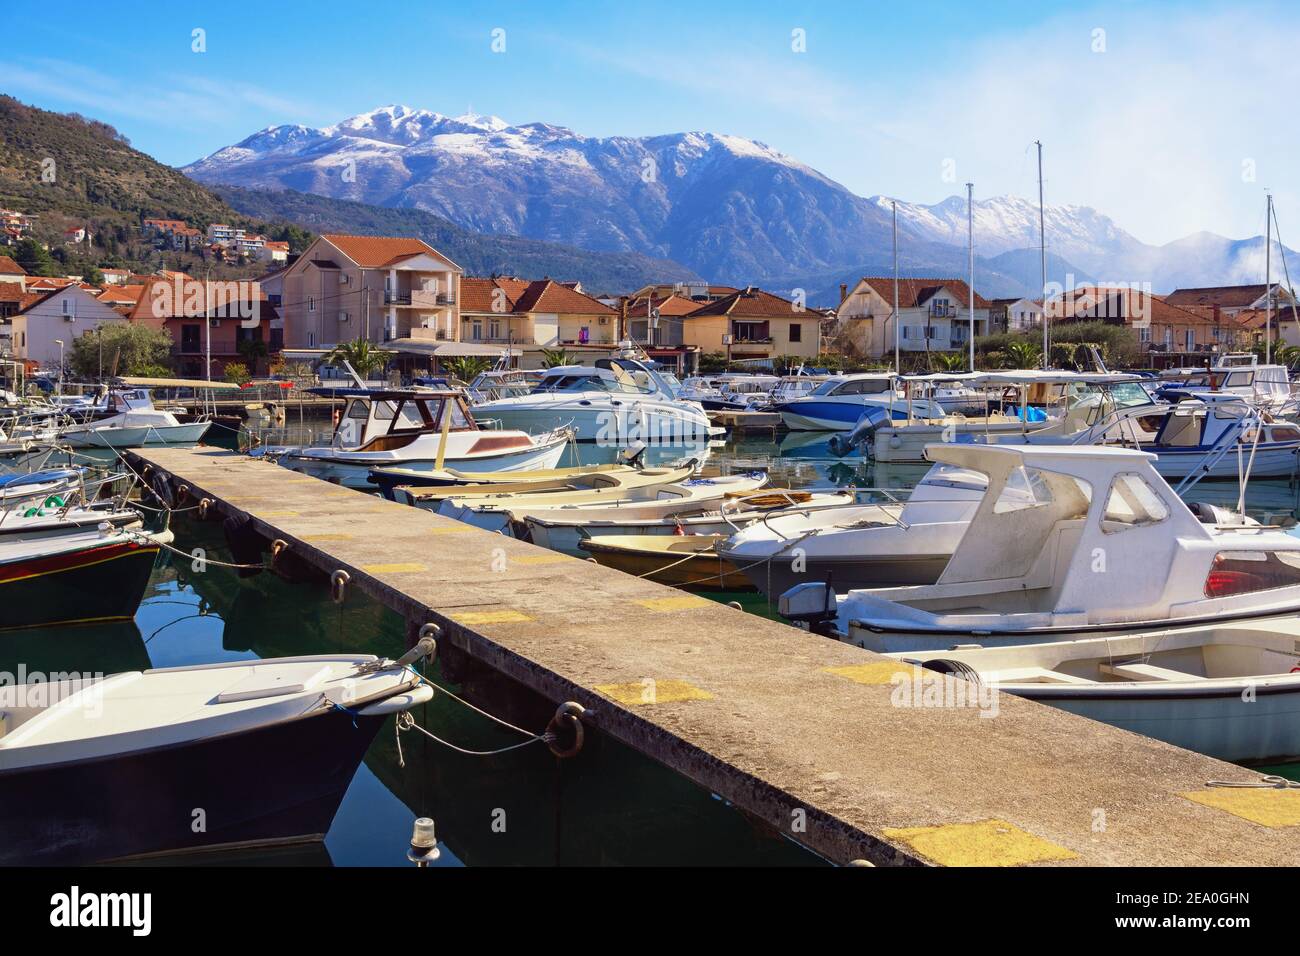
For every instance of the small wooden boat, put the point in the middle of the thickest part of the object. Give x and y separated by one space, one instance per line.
1228 691
387 479
604 483
83 576
564 531
97 768
685 561
506 513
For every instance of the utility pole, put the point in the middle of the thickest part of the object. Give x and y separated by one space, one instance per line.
207 328
898 366
970 243
1042 249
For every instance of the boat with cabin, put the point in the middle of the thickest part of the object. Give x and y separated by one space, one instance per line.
1069 542
840 401
419 429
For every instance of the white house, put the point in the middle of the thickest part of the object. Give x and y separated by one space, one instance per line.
933 315
60 315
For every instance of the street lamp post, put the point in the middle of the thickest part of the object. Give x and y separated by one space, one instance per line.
59 343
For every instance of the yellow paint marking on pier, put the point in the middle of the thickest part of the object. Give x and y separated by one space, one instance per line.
399 568
682 602
309 538
875 672
1271 807
540 559
985 843
650 691
490 617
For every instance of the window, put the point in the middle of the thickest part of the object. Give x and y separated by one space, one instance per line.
1189 340
311 303
1241 572
1132 503
796 332
1144 334
1025 488
477 330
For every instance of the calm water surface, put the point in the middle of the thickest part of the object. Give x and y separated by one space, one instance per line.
609 806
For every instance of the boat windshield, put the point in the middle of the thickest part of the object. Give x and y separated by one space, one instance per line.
584 383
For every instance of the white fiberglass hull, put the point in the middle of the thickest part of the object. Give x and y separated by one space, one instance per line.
616 422
137 436
907 443
352 469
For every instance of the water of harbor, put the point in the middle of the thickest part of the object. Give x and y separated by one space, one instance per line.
525 807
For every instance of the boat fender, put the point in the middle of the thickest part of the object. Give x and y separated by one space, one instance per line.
398 702
564 734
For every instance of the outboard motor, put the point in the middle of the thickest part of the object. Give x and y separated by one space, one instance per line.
813 603
845 443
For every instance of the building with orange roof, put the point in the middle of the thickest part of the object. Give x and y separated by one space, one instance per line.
530 316
1161 326
933 315
754 324
382 288
11 273
57 315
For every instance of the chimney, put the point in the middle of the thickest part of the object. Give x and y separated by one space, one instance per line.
844 291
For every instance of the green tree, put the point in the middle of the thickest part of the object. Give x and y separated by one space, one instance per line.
948 361
253 351
237 372
1021 354
467 367
124 348
362 355
555 357
35 258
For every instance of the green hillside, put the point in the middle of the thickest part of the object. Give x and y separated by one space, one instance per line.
477 253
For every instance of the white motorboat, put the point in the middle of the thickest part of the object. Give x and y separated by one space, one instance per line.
593 485
1069 542
1240 373
862 545
416 429
1017 404
265 750
839 402
565 532
1230 691
615 402
133 422
508 513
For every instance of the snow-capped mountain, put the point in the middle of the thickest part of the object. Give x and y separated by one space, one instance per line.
730 208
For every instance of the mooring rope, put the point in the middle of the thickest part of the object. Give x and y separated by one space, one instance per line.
1270 781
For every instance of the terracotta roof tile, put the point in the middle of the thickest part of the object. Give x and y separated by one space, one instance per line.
916 292
754 303
10 268
374 252
1224 296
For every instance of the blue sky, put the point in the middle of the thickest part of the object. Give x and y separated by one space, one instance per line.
1170 118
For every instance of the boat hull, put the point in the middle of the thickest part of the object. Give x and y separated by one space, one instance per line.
777 575
354 471
142 436
1229 724
148 802
661 423
104 583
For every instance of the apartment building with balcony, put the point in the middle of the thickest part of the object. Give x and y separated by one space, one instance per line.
933 315
529 317
754 324
382 288
57 315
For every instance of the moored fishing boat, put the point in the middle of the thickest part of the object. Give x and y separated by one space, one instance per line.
684 561
1229 691
1069 542
564 531
390 478
76 577
133 422
508 513
417 429
97 768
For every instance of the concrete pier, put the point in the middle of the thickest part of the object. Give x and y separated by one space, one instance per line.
807 734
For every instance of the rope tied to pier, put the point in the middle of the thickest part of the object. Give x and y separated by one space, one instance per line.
1270 781
143 538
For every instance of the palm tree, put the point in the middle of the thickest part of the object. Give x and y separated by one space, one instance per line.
554 357
361 354
1287 355
949 361
1021 354
467 367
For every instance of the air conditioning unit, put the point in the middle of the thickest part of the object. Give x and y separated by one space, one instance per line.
343 316
604 320
343 278
69 317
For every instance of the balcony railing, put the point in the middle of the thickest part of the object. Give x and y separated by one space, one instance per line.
943 312
418 297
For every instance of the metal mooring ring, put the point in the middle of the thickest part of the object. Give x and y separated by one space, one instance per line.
204 505
278 546
339 585
567 721
182 493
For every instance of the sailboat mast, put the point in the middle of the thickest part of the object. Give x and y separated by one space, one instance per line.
1042 250
1268 282
970 245
898 366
